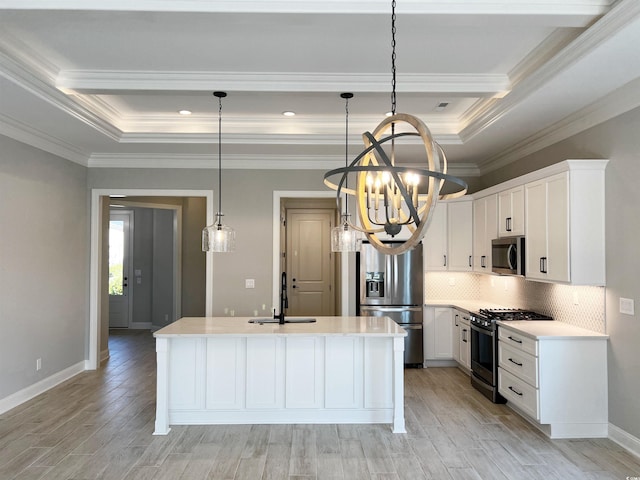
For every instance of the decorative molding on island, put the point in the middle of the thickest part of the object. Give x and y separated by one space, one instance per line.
225 370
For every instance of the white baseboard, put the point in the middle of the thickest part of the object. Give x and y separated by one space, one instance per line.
625 439
42 386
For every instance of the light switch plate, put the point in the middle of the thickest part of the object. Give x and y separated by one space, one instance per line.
249 283
627 306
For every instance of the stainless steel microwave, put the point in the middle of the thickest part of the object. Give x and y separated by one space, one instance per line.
507 255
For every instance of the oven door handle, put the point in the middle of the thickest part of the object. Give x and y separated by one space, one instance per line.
482 330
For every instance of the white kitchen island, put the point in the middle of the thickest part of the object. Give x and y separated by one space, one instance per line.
225 370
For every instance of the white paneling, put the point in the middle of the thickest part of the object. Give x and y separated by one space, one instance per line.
225 373
304 372
186 373
265 373
378 376
343 368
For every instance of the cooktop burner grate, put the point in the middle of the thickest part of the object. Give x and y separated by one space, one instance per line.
512 314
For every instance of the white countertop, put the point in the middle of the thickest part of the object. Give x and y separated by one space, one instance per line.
467 305
550 329
240 326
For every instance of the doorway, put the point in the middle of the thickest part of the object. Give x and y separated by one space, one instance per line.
98 301
120 249
310 264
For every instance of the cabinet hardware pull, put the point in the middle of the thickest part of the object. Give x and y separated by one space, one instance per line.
445 260
508 225
543 264
514 339
515 391
513 361
470 261
482 261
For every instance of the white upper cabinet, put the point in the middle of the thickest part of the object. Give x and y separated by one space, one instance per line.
485 229
460 236
511 212
435 240
449 238
565 225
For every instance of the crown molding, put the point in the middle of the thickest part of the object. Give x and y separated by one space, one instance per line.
487 111
92 81
26 134
620 101
32 74
575 8
240 162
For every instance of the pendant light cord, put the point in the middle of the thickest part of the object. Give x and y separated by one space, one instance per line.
220 96
393 57
346 151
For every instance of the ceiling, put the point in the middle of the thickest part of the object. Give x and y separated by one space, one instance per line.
101 83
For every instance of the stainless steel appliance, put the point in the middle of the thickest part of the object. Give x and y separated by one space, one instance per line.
484 347
392 286
507 255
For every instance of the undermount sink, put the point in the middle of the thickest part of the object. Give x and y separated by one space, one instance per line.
288 320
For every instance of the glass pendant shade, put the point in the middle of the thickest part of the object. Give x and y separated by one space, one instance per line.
344 238
218 238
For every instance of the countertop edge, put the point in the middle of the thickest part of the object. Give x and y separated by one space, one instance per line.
571 332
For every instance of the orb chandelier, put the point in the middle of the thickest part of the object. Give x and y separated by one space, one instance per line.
389 197
345 238
219 237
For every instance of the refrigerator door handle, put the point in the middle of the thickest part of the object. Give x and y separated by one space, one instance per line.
411 326
383 308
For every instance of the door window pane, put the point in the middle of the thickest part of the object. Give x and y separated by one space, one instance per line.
116 253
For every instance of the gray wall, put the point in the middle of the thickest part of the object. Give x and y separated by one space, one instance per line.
247 203
44 264
162 298
619 141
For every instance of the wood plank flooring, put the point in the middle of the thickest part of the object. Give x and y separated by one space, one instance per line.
99 425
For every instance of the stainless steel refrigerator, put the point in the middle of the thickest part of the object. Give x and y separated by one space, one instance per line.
392 286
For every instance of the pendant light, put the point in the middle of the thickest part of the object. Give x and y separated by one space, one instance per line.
219 237
344 238
389 197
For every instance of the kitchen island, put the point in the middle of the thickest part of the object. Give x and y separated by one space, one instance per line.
226 370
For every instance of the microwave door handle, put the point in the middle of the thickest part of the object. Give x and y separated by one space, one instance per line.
512 257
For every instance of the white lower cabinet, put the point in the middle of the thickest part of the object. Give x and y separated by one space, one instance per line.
438 336
465 342
559 382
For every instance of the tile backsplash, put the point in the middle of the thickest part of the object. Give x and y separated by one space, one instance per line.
577 305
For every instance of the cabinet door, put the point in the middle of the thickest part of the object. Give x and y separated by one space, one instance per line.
438 333
443 334
558 228
456 335
435 240
511 212
460 236
536 247
485 229
465 344
547 249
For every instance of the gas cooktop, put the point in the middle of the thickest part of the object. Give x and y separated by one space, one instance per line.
512 314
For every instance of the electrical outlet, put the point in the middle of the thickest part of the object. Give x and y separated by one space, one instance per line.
627 306
575 298
38 364
452 282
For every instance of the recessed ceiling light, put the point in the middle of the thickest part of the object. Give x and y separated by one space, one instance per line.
184 112
289 113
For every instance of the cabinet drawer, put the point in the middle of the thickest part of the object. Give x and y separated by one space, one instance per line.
518 341
521 364
519 393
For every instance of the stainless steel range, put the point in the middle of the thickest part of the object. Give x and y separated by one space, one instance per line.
484 347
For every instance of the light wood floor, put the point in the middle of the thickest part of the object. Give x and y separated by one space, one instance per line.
99 425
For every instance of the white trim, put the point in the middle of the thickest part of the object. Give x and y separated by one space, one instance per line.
625 439
42 386
278 195
475 85
104 355
575 10
94 272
